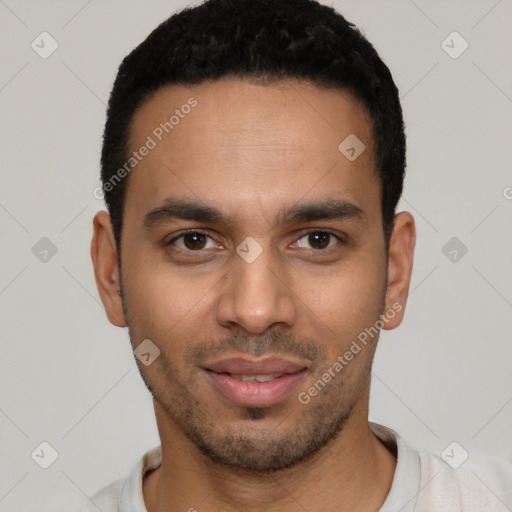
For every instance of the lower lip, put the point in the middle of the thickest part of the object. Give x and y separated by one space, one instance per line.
255 394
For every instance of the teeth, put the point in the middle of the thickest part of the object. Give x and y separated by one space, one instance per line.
256 378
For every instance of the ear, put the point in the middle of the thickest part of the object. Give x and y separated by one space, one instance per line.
106 272
400 259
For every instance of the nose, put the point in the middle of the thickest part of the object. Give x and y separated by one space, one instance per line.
255 296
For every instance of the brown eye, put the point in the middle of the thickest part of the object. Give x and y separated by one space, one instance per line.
318 240
193 241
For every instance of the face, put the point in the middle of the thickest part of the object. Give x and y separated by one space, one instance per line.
252 258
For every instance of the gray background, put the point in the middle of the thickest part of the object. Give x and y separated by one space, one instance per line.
69 378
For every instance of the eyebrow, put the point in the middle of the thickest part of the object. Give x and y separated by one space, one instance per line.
329 209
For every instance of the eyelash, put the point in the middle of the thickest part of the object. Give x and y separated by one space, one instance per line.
302 235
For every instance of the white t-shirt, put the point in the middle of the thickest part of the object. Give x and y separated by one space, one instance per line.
422 482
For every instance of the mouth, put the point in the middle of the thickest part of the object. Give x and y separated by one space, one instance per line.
255 382
255 378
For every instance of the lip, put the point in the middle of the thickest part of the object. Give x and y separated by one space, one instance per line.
255 394
244 365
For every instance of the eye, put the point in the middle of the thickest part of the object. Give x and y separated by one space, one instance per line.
318 240
193 241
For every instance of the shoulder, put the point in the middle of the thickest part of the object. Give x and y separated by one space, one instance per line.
106 499
477 483
125 494
452 481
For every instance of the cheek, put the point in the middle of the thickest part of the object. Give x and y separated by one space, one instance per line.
344 302
165 302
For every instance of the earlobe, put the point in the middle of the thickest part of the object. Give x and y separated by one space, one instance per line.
106 271
400 262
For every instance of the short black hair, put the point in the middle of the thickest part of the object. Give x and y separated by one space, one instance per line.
262 40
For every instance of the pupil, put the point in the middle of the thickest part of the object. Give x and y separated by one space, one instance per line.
194 240
319 240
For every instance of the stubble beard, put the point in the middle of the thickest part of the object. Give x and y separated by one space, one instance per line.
253 449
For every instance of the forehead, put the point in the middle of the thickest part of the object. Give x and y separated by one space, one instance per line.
235 143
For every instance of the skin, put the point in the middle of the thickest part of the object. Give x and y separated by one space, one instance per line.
251 151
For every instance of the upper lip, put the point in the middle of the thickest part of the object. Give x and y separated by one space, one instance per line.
243 365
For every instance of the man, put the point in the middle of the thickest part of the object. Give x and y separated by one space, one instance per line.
253 158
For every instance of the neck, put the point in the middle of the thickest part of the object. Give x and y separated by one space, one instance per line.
352 473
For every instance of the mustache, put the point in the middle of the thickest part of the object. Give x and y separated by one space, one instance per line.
272 343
